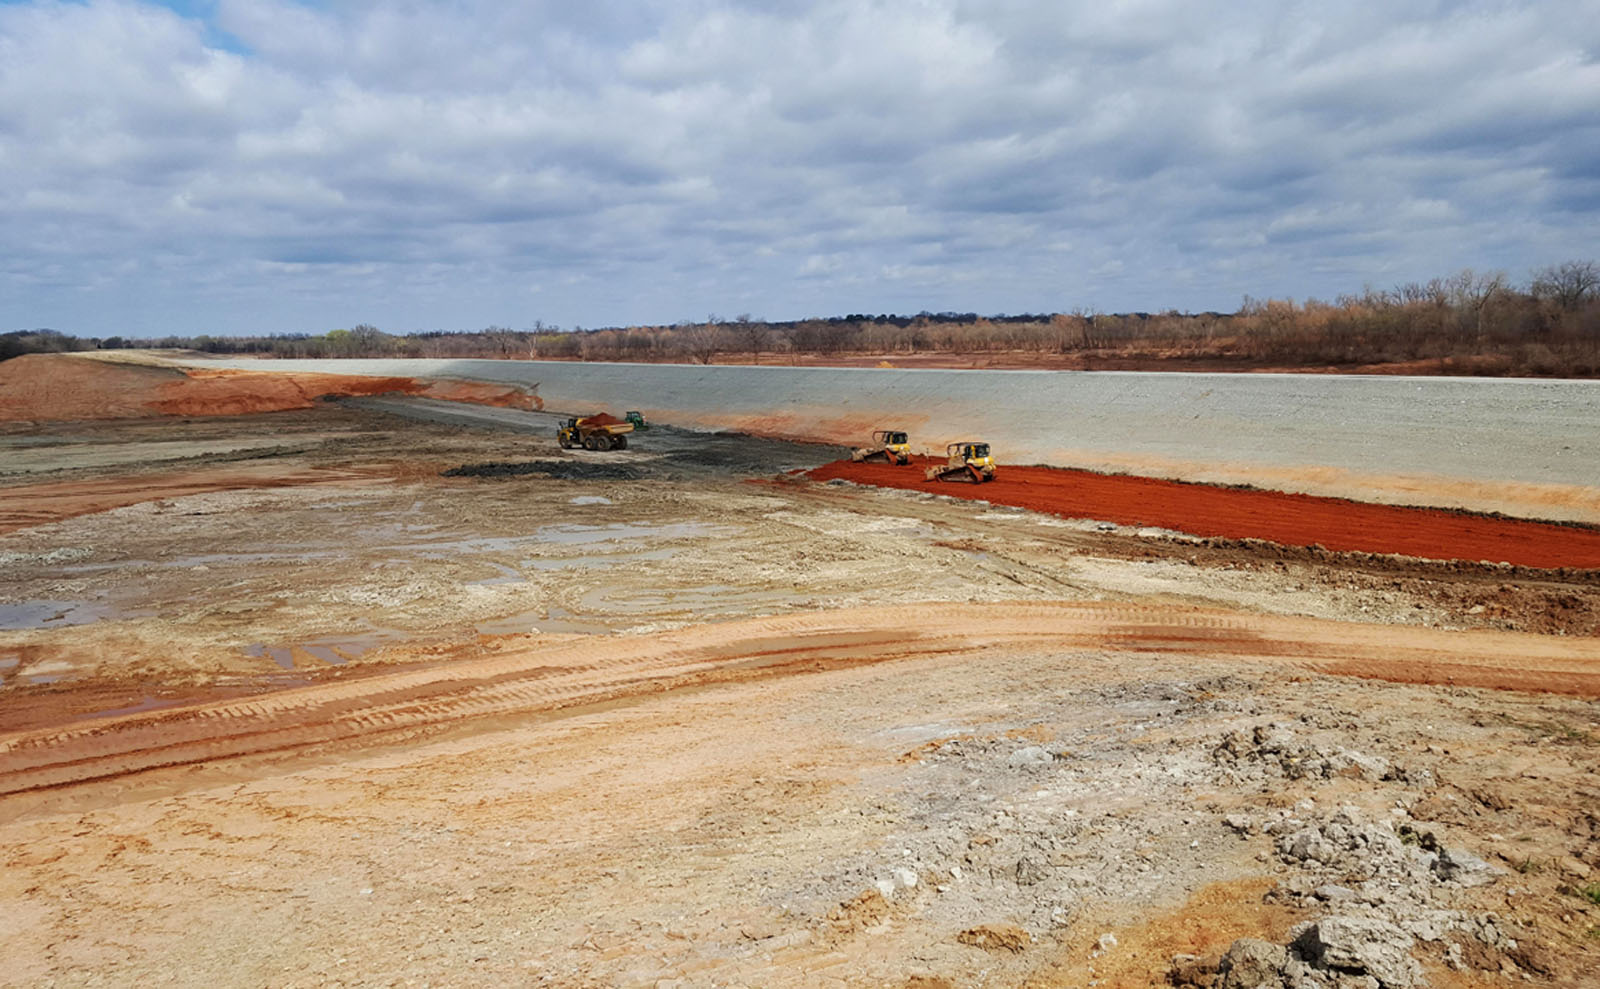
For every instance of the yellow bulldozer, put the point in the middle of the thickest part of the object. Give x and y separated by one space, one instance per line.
967 461
888 445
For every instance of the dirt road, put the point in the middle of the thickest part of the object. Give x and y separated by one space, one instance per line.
524 679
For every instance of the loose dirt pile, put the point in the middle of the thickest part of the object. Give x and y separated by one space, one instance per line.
1240 513
64 388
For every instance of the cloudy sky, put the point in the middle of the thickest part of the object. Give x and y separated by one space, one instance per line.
248 166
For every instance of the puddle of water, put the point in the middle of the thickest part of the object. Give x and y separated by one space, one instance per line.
508 575
10 661
608 560
335 650
591 500
60 614
572 534
44 678
278 654
554 619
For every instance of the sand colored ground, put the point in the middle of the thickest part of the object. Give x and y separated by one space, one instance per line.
518 678
1235 513
38 504
57 388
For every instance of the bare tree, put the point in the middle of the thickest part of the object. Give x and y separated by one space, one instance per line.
1476 292
1569 284
752 336
703 340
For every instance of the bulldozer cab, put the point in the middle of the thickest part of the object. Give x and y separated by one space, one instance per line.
967 460
890 437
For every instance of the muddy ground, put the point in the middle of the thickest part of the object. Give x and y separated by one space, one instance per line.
392 691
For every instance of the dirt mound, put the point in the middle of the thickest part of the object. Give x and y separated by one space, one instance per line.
1242 513
229 393
47 387
62 388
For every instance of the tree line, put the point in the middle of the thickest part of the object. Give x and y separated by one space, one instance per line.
1470 322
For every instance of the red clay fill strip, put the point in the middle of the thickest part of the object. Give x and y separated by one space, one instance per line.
1232 513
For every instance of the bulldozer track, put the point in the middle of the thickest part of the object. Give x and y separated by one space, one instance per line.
571 673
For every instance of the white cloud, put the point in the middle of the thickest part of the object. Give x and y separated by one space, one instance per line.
422 165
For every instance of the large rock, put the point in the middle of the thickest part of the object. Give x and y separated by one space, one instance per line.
1252 964
1361 946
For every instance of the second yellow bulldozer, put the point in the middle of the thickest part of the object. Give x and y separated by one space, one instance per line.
968 461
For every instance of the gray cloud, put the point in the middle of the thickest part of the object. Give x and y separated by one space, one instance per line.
286 167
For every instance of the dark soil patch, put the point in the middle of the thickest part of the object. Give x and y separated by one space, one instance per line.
564 470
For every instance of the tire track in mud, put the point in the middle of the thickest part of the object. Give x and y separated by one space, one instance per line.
585 671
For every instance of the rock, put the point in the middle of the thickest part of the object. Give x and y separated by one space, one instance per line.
1033 755
905 878
885 888
1455 865
1252 964
1361 946
1105 942
1575 867
1357 765
1240 823
1192 971
1333 893
1029 871
996 937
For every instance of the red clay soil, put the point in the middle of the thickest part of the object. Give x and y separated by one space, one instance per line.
1234 513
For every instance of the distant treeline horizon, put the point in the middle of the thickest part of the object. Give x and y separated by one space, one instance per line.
1481 321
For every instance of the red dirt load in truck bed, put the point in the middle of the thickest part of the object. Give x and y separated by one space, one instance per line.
1243 513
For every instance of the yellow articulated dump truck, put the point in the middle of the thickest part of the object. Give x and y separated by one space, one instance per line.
597 432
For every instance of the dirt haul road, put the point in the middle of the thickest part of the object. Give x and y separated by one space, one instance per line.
572 674
393 691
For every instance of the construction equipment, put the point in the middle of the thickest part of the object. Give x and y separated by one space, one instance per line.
637 418
597 432
965 461
888 445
